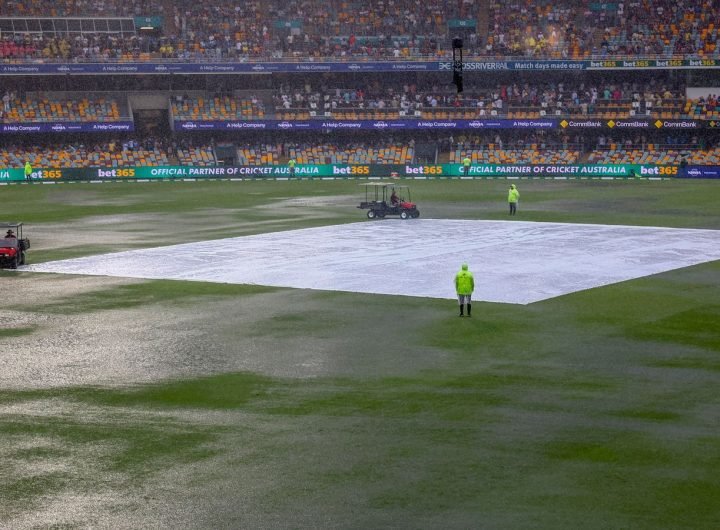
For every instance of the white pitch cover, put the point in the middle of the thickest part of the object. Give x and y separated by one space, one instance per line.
513 261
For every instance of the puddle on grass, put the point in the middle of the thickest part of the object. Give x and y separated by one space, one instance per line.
280 333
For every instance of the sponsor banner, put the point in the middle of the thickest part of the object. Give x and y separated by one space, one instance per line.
214 67
410 124
324 124
362 171
556 170
615 64
269 67
11 175
632 123
679 124
65 127
320 124
700 172
541 170
18 174
484 66
301 171
35 68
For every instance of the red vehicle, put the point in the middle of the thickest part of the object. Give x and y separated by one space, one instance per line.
12 245
383 199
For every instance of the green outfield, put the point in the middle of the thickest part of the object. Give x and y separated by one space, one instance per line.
169 404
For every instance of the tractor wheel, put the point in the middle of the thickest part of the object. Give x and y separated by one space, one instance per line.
22 258
14 263
371 214
404 214
416 214
381 215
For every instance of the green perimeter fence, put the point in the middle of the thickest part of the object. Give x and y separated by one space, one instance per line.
347 171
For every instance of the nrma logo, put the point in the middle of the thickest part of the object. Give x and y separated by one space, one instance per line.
476 124
63 68
189 125
381 124
354 67
58 127
694 172
285 125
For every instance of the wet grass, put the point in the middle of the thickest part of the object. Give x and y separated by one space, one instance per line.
596 409
54 204
313 323
417 445
137 448
459 395
41 256
23 491
693 327
141 294
224 391
638 202
16 332
628 473
710 364
81 455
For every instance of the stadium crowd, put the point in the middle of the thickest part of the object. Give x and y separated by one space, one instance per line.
528 147
610 100
308 29
44 108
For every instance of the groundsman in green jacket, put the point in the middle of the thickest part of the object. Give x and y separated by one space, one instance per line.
513 196
464 287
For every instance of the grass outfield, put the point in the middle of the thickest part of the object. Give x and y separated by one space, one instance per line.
169 404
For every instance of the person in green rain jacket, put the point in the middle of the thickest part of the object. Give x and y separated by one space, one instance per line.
464 287
513 197
466 165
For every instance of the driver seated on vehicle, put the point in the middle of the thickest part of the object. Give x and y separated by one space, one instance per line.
10 235
394 199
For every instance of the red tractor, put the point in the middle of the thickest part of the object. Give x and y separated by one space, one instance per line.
12 245
383 199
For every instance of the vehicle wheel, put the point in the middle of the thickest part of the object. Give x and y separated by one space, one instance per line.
22 258
416 214
14 263
381 215
371 214
404 214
